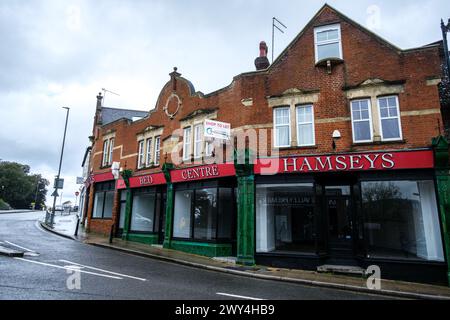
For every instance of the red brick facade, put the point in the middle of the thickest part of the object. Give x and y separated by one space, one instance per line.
366 57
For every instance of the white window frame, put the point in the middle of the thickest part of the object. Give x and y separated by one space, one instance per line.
141 154
198 140
318 43
275 126
111 150
148 151
157 151
399 121
187 132
105 152
208 147
298 123
369 104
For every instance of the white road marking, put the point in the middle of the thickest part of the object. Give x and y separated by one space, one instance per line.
16 245
237 296
68 268
102 270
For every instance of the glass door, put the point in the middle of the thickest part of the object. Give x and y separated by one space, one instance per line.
338 212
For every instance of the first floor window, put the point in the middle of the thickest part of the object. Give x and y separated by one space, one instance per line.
198 140
389 118
157 150
282 127
285 218
361 120
401 219
143 212
187 143
111 149
209 147
105 153
305 125
149 152
140 154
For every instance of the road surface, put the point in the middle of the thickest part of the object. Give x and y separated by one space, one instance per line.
47 272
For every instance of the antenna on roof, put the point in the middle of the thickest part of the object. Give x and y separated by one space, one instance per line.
274 25
104 94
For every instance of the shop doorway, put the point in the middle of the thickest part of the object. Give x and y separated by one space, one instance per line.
338 211
161 216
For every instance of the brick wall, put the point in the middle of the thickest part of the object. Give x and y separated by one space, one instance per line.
365 56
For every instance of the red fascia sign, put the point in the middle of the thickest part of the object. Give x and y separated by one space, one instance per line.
143 181
101 177
203 172
422 159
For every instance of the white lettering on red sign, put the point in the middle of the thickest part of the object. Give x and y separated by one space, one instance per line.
200 172
145 180
340 163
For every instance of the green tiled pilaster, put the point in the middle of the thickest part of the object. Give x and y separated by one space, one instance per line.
167 167
245 207
442 171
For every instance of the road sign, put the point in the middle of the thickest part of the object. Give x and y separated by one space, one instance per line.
77 193
55 193
217 129
58 184
80 180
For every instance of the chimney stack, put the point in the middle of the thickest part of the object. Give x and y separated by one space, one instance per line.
262 62
99 101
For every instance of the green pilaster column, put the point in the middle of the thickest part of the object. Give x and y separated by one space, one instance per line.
167 167
245 208
126 175
442 171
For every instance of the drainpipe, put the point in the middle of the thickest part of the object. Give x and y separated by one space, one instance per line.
245 207
442 171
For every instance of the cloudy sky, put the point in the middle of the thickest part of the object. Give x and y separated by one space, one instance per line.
63 52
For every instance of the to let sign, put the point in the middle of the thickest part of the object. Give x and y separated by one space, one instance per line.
422 159
217 129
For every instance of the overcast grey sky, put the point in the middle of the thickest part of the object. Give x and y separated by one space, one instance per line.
61 53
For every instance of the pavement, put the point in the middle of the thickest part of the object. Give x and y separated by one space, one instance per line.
392 288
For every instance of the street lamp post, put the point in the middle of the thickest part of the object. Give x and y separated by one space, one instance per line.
55 193
445 29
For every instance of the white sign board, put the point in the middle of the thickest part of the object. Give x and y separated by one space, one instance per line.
217 129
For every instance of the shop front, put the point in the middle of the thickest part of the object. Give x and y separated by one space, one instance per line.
204 210
146 220
360 209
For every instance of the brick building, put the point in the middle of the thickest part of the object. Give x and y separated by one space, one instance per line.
335 157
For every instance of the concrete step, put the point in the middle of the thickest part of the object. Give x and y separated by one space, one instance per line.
4 251
354 270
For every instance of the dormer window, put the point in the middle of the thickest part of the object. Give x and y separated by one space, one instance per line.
327 42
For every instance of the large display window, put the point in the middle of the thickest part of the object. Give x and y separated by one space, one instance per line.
204 212
401 220
143 210
103 200
285 219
